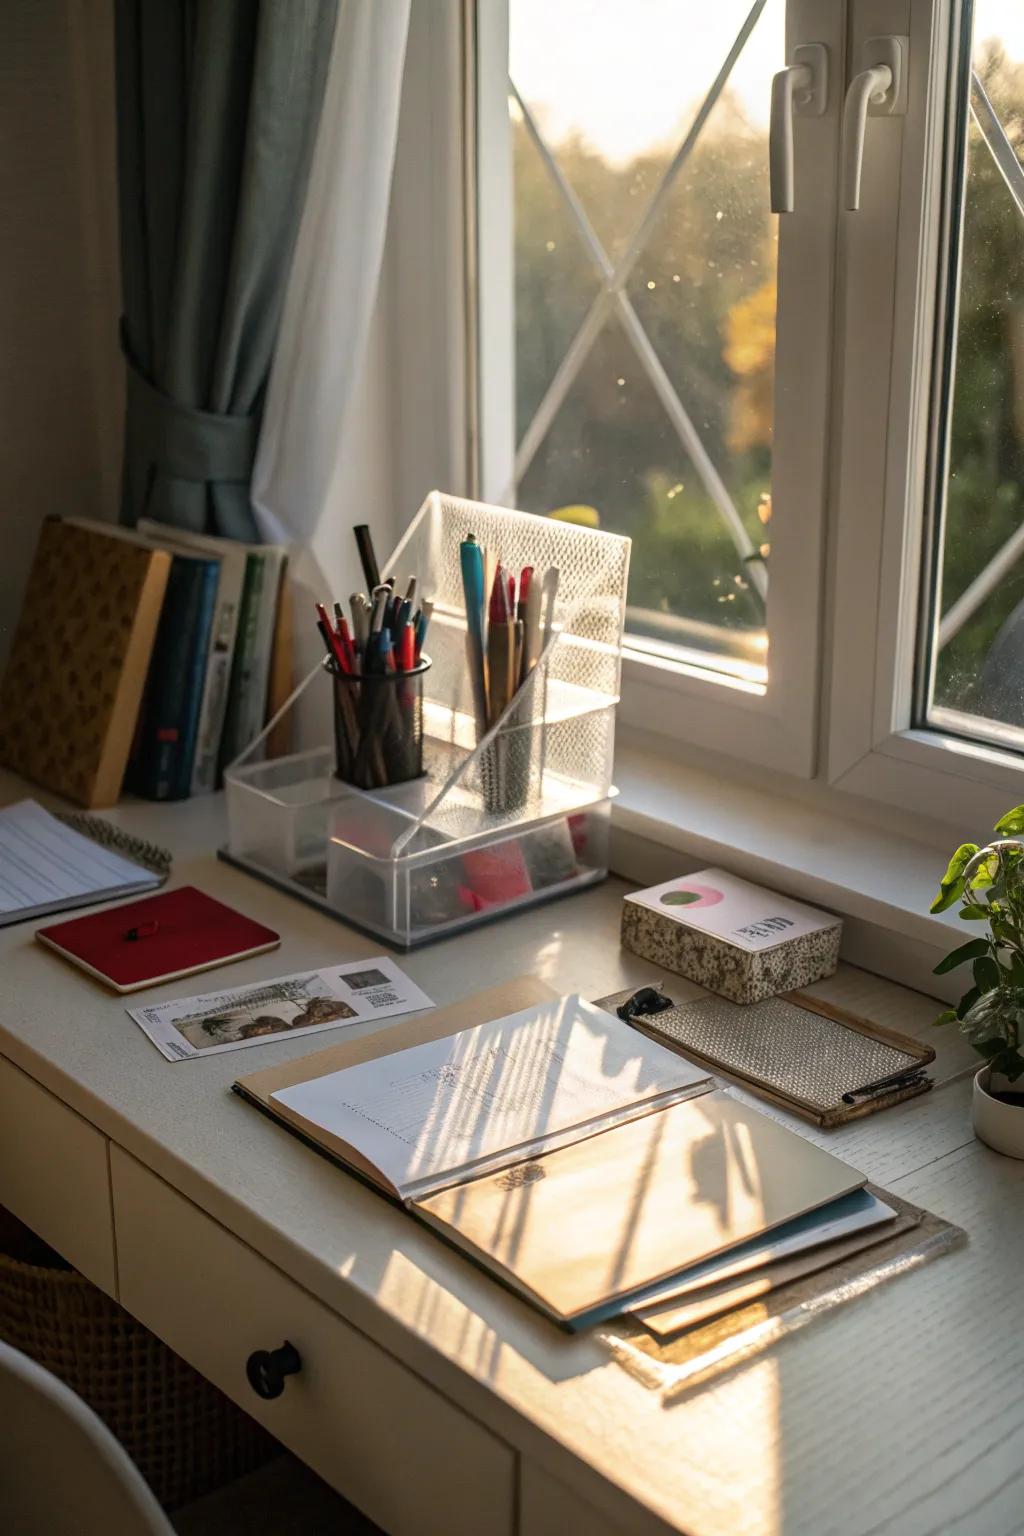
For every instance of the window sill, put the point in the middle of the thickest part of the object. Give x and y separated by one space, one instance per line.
673 817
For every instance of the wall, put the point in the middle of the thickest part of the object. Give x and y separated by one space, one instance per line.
60 377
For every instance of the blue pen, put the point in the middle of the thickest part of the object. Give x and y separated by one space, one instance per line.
471 560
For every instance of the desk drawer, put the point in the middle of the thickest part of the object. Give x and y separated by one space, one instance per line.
54 1175
378 1434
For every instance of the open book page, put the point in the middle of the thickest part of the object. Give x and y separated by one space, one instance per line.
492 1095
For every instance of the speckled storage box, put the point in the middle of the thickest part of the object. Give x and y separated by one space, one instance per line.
774 945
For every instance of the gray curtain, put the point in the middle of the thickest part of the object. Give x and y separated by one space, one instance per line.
218 103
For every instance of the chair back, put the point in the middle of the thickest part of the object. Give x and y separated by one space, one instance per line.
62 1473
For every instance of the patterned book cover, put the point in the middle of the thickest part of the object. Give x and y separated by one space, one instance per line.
71 692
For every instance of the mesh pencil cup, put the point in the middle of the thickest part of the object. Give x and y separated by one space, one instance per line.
378 725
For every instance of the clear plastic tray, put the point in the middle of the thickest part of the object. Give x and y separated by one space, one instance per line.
492 825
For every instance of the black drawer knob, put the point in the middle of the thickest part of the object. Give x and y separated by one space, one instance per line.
267 1369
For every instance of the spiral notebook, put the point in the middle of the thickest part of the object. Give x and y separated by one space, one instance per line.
49 866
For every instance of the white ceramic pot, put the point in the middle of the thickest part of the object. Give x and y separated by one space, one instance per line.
999 1126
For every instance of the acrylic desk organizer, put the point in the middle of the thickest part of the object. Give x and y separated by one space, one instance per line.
491 826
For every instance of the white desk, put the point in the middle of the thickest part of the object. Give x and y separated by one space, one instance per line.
430 1396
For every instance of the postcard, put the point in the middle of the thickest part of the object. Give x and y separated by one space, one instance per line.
285 1005
729 908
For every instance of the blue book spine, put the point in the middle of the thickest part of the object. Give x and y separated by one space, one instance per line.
169 719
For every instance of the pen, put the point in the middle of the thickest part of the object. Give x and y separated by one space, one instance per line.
908 1078
471 560
531 632
501 649
144 930
550 593
422 623
367 557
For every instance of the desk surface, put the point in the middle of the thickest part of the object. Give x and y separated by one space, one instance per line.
902 1413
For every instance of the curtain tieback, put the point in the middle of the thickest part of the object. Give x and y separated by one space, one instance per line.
183 442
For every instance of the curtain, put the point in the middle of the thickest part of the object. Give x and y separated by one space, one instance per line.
335 273
218 103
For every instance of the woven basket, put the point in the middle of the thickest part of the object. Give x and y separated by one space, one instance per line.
185 1437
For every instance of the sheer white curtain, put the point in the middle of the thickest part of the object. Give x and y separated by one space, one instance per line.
332 287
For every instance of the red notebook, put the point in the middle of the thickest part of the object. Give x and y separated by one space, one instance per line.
158 939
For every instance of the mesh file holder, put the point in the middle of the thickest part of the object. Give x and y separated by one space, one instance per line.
496 823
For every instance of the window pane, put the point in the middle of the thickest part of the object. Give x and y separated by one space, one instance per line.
977 672
645 300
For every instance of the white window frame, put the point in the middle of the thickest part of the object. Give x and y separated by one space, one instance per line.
886 371
858 314
778 725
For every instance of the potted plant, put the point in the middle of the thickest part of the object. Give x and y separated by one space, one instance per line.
989 885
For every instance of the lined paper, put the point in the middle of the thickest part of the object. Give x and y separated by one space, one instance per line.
46 867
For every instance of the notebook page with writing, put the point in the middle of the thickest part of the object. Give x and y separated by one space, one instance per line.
476 1101
47 867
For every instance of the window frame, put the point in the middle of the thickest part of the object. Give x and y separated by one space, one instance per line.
888 460
690 703
845 614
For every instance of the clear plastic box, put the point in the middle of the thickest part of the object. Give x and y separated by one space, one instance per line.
492 825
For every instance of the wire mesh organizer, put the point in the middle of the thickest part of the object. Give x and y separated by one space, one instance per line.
491 825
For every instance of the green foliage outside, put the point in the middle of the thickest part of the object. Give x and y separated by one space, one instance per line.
704 290
710 258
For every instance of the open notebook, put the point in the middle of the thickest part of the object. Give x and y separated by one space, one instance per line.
46 866
571 1156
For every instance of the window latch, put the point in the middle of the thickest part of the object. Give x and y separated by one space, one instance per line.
800 89
880 89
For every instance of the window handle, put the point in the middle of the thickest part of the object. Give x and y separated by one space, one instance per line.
880 88
800 88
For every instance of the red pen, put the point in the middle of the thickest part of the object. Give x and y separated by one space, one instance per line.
330 638
345 644
497 612
407 649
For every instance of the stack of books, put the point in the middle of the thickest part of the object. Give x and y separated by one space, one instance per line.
147 657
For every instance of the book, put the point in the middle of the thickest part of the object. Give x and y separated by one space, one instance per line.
162 938
233 558
79 659
46 866
250 673
162 757
552 1147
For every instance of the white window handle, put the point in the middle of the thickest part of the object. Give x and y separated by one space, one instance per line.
801 87
880 86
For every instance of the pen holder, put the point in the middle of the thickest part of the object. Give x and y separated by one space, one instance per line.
378 725
505 764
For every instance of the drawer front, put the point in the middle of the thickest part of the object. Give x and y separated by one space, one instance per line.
378 1434
548 1508
54 1175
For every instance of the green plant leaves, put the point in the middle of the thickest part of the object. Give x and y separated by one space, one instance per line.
972 950
987 973
948 1016
972 914
967 1001
1012 824
952 884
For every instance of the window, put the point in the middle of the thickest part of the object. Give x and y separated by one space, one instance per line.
811 424
974 677
634 347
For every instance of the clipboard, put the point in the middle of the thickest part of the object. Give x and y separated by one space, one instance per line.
814 1058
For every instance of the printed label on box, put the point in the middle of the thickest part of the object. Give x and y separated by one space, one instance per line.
720 904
